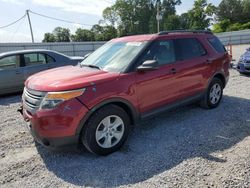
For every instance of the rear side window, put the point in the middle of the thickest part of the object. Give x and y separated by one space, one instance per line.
189 48
215 42
34 59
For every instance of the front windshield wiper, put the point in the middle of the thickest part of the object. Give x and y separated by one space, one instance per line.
91 66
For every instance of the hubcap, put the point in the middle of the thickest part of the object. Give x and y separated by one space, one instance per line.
109 131
215 93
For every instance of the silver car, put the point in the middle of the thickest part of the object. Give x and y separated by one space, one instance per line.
17 66
244 62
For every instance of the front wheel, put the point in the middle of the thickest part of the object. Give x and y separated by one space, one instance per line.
213 94
106 130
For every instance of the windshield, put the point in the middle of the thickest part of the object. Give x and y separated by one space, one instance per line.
114 56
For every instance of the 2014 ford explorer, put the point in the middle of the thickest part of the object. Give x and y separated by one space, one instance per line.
127 79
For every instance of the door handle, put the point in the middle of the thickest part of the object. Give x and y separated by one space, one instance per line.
208 61
173 71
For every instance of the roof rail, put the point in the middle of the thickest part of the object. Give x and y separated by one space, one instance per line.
185 31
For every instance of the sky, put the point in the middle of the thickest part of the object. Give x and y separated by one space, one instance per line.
87 12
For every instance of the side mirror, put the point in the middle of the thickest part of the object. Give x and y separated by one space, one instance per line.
148 65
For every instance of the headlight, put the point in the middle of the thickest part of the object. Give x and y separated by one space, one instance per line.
53 99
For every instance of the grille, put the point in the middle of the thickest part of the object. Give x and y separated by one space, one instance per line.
32 99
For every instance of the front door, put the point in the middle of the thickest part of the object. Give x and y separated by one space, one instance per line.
157 88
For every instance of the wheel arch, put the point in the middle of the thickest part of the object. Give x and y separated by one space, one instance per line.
123 103
221 77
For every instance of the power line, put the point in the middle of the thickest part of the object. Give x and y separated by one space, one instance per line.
13 22
17 29
58 19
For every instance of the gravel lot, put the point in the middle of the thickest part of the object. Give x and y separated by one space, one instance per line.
187 147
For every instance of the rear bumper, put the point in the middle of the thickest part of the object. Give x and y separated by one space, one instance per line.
58 127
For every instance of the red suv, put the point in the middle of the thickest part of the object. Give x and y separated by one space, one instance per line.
128 79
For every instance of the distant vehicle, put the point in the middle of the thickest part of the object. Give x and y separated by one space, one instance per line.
243 65
125 80
17 66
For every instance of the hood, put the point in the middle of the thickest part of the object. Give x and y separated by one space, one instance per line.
246 56
68 78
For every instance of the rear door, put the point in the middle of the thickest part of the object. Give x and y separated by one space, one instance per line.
191 66
34 62
11 74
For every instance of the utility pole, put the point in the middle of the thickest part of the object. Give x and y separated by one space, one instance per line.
158 15
31 32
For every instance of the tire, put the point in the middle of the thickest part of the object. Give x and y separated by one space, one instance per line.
106 130
210 99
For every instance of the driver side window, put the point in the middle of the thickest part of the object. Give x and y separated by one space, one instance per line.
162 51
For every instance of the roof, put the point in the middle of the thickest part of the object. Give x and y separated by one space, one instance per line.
27 51
136 38
149 37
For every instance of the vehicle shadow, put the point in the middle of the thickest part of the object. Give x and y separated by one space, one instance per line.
157 145
8 99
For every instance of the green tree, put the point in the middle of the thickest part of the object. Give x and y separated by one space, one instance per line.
110 14
184 21
104 33
83 35
246 10
61 34
49 37
200 16
231 10
109 32
170 20
221 26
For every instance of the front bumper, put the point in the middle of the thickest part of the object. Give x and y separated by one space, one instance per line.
243 67
57 127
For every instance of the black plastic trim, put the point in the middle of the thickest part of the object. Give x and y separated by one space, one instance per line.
134 112
173 105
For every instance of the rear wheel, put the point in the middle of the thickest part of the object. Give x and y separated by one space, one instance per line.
213 94
106 130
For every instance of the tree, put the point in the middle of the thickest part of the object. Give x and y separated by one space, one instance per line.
83 35
221 26
49 37
109 32
61 34
139 16
231 10
172 22
109 14
246 10
104 33
184 21
200 16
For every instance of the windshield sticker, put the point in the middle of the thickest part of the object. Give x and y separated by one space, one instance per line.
133 44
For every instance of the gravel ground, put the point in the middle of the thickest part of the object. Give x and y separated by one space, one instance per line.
187 147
